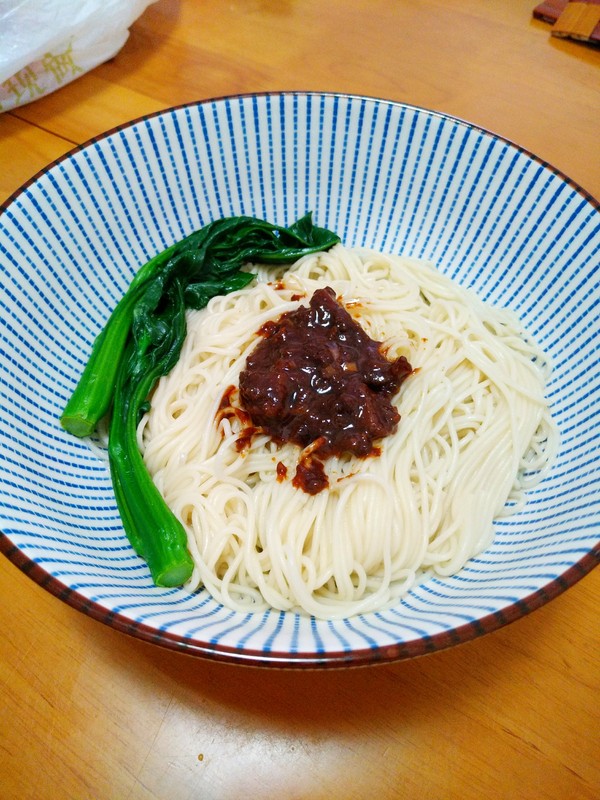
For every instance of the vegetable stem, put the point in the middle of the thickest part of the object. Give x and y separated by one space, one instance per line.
142 341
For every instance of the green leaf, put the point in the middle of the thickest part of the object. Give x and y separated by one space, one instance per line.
142 341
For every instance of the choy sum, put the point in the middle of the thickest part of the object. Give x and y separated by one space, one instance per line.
142 341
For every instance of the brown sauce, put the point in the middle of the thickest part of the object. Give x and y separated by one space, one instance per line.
318 380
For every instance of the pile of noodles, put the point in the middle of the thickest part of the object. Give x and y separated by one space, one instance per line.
475 434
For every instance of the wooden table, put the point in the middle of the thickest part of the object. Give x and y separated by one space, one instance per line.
87 712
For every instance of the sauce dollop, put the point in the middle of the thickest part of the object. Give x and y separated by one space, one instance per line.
318 380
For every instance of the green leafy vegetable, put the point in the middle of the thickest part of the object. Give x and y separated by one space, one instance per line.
142 341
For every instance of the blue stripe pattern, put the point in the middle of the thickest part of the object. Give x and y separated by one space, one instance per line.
384 175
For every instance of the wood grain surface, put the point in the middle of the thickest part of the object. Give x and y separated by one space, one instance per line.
87 712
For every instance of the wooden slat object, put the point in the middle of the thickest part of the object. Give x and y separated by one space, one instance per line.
579 20
572 19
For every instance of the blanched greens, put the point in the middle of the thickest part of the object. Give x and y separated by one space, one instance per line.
142 341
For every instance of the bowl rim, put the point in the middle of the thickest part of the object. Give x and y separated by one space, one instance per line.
295 93
304 659
382 654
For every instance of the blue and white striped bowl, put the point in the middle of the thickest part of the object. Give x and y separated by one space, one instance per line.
382 174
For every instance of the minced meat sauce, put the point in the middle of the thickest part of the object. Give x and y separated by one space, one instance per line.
318 380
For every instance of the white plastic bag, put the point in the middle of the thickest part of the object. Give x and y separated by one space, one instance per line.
45 44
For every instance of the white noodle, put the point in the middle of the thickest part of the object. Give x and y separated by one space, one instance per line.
475 432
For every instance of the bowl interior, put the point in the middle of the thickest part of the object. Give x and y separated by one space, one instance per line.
384 175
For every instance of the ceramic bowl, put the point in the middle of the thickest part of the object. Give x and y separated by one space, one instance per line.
382 174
